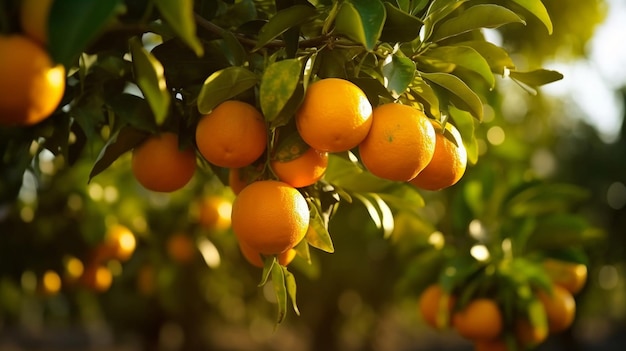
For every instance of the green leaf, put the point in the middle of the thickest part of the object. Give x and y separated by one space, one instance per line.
361 21
398 73
233 50
223 85
119 143
476 17
180 16
278 281
150 79
74 24
268 266
282 21
563 230
133 110
290 284
462 96
399 26
437 11
465 125
497 58
537 77
278 85
466 57
426 95
537 8
317 234
541 198
386 216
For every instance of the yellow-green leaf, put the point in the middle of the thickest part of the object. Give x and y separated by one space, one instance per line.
150 78
179 15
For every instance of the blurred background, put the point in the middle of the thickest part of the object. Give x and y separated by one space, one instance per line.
177 280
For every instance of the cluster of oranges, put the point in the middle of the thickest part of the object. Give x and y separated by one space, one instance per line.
481 320
32 85
270 215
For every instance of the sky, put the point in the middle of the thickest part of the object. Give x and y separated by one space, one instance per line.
593 83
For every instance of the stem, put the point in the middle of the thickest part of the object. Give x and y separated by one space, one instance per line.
308 43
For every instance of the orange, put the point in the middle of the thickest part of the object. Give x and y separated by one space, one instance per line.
119 243
236 181
490 345
50 283
481 319
159 165
400 143
232 135
31 86
34 19
431 302
284 259
529 335
97 278
448 163
569 275
334 116
180 248
560 308
270 217
302 171
215 213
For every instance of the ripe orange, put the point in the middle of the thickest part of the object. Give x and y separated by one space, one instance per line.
334 116
529 335
32 86
180 248
215 213
119 244
448 163
400 143
284 259
232 135
159 165
96 277
560 308
431 303
481 319
569 275
270 217
34 19
236 181
490 345
302 171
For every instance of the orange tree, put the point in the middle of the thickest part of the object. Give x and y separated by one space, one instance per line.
305 75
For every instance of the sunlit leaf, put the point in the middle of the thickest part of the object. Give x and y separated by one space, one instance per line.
371 210
538 9
70 33
150 78
290 284
386 216
537 77
180 16
223 85
361 21
436 12
466 98
497 58
466 127
278 85
476 17
398 73
282 21
317 234
424 92
466 57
